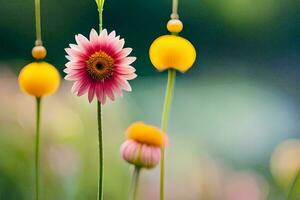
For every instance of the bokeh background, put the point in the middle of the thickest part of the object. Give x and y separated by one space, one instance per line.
235 121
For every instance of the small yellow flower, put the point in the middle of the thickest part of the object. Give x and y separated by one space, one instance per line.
174 26
39 52
39 79
146 134
170 51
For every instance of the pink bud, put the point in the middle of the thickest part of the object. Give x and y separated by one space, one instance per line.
139 154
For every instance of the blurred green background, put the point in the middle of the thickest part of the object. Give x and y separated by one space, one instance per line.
235 118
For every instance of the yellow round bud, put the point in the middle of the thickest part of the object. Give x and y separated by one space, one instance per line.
39 79
172 52
39 52
174 26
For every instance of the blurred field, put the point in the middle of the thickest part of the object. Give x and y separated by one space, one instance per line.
230 112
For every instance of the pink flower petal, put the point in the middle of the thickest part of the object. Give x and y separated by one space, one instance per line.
94 40
93 36
124 53
112 35
129 76
146 155
74 46
75 54
80 87
75 76
83 88
130 150
83 43
91 92
117 89
124 69
126 61
75 65
100 93
120 44
76 87
103 35
124 84
69 57
108 90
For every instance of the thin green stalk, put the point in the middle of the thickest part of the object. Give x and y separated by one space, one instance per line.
166 109
134 183
175 9
100 138
37 146
38 28
100 4
164 125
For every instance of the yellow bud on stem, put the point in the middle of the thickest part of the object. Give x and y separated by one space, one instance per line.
39 52
174 26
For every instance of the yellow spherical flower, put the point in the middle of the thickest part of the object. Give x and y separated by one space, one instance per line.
146 134
39 79
170 51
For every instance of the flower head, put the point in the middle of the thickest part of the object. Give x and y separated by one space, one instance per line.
39 79
143 145
170 51
100 66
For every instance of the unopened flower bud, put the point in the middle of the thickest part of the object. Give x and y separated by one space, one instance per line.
39 52
174 26
140 155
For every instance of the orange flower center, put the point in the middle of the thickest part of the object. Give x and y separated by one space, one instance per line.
100 65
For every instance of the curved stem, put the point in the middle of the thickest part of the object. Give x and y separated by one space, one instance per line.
134 183
164 125
38 28
37 146
100 180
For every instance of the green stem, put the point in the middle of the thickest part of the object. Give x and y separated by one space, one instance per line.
100 4
166 109
134 183
38 28
37 146
175 9
164 125
101 167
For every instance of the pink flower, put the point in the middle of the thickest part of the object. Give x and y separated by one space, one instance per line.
100 66
139 154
